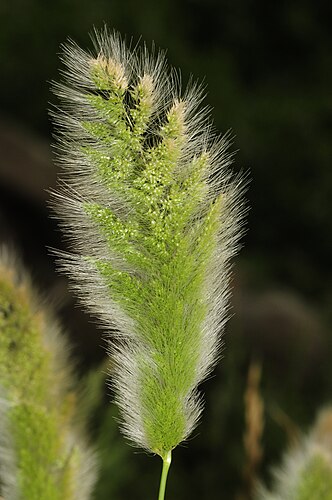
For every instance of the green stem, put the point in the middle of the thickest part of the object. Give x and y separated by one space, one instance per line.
166 464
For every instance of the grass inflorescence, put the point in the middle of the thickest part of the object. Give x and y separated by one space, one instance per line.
153 216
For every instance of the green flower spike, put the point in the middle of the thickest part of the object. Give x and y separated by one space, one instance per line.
153 215
306 470
43 451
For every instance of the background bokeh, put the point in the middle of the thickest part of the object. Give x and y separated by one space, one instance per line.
268 71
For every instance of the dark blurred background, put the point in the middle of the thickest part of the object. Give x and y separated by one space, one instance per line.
267 66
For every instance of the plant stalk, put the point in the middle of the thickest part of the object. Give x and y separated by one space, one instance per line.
166 465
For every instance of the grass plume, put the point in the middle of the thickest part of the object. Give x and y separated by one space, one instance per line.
153 214
43 452
306 469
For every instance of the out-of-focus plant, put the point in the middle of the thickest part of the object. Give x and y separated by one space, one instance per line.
153 214
254 426
43 450
306 470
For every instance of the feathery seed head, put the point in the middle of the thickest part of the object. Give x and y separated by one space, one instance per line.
153 216
306 470
42 453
